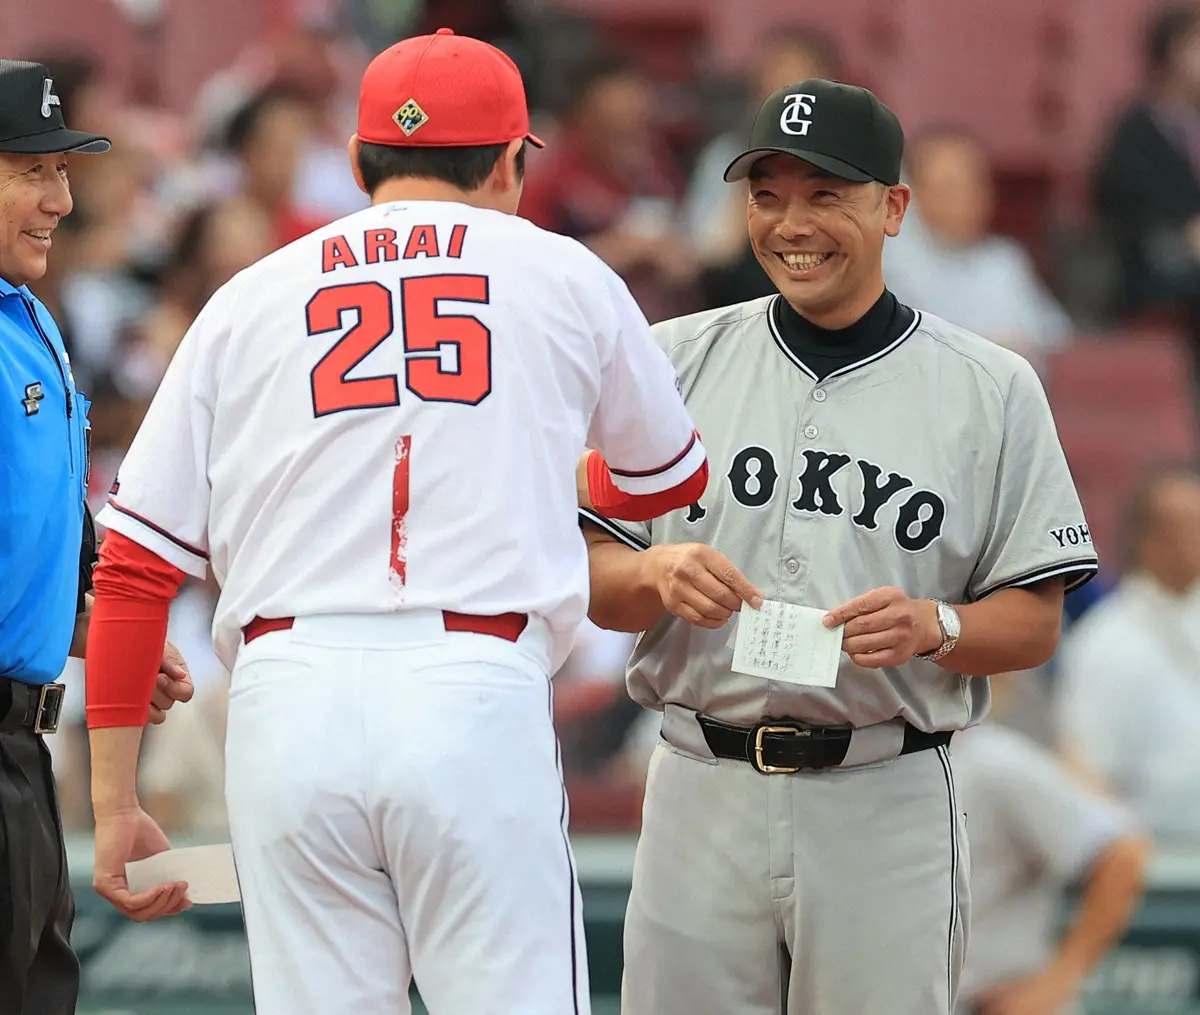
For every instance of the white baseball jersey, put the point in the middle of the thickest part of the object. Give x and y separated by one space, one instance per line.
933 465
387 414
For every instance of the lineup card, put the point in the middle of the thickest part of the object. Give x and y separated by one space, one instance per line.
208 871
781 641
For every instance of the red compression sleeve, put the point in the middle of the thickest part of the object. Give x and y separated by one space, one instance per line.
133 588
613 502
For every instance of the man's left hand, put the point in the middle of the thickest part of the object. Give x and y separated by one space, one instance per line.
174 684
886 628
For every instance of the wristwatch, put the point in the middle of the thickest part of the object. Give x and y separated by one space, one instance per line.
951 626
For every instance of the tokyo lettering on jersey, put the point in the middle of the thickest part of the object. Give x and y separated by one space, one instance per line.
932 465
353 424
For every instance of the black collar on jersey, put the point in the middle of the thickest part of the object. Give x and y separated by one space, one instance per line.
823 352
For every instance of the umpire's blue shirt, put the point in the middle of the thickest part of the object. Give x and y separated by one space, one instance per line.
43 480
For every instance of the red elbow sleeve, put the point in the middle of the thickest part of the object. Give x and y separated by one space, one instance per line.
612 502
133 589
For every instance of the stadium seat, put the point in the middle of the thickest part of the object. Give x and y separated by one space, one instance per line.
1144 369
1121 402
981 65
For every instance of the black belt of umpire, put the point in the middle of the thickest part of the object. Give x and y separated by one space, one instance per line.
782 747
34 706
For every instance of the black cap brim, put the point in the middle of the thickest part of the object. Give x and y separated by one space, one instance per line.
58 140
739 168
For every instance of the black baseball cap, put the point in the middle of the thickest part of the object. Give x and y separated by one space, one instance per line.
31 119
842 129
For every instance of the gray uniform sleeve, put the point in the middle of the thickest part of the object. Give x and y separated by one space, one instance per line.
1036 528
1063 826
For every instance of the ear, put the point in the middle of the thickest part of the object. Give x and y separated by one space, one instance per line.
352 149
897 200
508 179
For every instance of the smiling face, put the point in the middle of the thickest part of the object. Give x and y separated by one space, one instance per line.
820 238
34 196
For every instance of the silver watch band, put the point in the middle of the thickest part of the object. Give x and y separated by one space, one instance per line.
948 642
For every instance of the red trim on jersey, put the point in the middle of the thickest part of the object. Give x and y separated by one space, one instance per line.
400 493
161 531
133 587
612 502
662 468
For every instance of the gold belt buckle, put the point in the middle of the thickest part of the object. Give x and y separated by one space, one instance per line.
49 708
759 733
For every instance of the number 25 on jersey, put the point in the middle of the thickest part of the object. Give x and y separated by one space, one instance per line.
447 357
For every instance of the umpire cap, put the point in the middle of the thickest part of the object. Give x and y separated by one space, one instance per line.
842 129
31 119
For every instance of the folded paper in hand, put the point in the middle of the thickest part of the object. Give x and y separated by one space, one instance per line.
781 641
208 871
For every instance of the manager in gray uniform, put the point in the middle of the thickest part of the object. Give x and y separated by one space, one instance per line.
802 850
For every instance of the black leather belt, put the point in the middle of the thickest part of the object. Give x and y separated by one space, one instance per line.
782 747
35 706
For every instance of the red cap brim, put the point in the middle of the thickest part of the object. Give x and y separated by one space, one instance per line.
536 141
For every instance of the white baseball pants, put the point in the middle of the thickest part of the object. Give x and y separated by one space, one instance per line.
397 812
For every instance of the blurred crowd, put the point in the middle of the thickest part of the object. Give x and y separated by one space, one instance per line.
183 202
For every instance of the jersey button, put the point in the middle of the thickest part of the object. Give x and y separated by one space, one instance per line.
792 565
811 432
819 394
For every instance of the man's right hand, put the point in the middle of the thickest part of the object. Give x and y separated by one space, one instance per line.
698 584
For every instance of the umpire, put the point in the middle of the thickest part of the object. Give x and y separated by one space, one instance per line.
45 568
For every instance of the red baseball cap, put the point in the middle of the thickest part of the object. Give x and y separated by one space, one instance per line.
441 91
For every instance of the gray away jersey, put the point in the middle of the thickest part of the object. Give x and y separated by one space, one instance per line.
933 465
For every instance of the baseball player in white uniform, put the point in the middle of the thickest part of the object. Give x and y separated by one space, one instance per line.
345 436
801 849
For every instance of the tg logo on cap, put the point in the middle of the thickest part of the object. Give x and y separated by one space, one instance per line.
795 108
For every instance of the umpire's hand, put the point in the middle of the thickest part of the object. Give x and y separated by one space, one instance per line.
698 584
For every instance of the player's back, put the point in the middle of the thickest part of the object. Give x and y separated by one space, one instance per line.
403 396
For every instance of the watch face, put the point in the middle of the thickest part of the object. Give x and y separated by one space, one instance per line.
950 621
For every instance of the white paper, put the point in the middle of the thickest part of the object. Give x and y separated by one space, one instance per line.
208 871
781 641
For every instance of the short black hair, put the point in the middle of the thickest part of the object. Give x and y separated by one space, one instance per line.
190 235
596 68
1170 25
251 113
465 168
